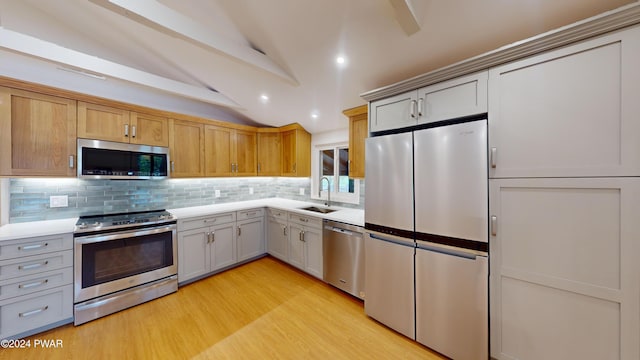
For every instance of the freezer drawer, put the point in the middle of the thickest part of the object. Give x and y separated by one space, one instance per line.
452 307
388 282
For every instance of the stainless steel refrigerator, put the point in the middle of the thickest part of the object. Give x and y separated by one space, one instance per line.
429 187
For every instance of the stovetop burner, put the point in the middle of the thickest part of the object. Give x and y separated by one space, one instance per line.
122 220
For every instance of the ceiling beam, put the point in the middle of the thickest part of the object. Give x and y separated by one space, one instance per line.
408 14
42 49
161 18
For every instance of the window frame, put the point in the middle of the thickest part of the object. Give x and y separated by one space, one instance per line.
349 198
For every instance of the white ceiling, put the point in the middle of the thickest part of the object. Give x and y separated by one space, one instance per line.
171 62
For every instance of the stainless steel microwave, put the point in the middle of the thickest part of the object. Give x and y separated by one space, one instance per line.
99 159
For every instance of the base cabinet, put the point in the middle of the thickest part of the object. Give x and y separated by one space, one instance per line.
305 244
203 248
565 279
277 234
250 231
36 284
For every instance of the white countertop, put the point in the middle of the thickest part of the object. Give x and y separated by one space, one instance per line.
53 227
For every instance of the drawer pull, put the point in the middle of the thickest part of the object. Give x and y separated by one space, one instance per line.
210 220
33 312
251 213
33 266
304 220
32 247
33 284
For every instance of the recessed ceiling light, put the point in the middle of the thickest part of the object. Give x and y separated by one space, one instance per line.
264 98
314 115
341 60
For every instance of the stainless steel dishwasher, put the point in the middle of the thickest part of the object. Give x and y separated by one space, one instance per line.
344 257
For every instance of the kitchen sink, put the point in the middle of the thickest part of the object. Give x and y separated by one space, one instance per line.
318 209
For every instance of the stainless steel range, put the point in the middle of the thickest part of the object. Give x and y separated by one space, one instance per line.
122 260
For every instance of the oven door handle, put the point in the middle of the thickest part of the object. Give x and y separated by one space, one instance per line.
123 234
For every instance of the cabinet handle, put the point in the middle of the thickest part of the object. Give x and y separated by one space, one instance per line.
492 157
33 266
173 166
259 167
304 220
32 247
33 284
251 213
412 109
133 131
302 236
284 230
420 103
239 231
126 130
494 225
72 161
210 220
33 312
213 236
208 237
294 167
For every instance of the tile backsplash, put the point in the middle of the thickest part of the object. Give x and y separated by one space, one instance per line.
29 198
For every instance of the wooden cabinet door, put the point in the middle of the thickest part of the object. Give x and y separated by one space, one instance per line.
37 134
218 150
149 130
186 142
223 246
571 112
193 254
250 238
289 153
103 122
269 153
244 153
358 132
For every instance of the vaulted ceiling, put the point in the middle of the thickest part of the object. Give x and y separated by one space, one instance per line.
218 58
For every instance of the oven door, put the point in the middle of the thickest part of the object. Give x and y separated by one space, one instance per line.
106 263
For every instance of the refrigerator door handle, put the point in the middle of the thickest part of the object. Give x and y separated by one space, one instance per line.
392 239
446 250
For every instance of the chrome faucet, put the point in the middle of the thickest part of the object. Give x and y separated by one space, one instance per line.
328 190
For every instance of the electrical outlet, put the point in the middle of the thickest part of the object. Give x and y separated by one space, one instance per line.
58 201
301 191
217 193
250 191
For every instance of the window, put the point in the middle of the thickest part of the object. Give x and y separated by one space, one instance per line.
334 166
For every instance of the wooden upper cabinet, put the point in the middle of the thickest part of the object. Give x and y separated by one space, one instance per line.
269 153
358 132
149 130
245 153
37 134
296 152
186 142
229 152
217 146
113 124
102 122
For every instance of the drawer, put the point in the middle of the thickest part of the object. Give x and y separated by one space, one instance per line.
37 282
306 220
25 313
35 245
35 264
277 213
250 214
204 221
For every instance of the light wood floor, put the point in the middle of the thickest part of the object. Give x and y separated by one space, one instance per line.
261 310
